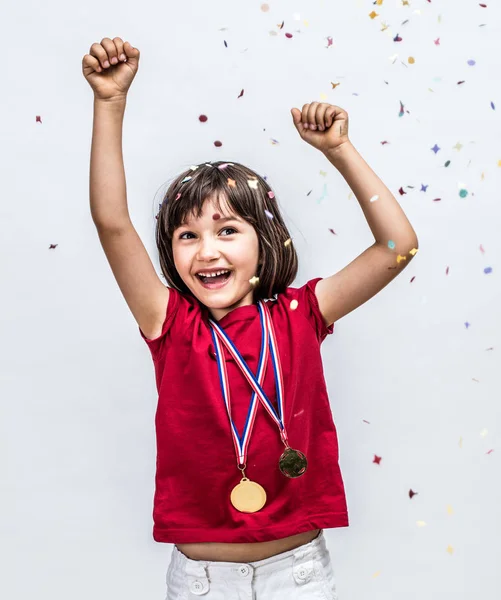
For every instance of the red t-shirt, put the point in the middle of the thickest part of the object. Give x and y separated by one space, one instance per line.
196 459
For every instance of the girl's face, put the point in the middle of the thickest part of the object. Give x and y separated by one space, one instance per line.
211 242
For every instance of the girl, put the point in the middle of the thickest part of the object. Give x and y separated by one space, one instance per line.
247 457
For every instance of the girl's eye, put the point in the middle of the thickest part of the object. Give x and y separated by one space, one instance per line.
189 232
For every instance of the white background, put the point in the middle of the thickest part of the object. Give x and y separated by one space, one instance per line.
419 362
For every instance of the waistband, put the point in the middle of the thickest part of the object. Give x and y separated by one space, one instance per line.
217 570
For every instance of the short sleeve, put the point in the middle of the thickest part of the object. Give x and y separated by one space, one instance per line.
309 307
156 346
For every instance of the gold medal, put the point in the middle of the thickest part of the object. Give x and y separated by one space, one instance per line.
293 463
248 496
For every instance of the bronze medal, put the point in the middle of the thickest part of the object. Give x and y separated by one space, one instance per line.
293 463
248 496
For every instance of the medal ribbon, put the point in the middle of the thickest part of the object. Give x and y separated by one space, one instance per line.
268 338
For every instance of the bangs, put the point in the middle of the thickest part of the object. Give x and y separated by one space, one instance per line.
210 183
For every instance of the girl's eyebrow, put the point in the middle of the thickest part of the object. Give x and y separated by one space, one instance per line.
220 220
224 219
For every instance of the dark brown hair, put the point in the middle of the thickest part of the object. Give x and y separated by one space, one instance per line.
249 196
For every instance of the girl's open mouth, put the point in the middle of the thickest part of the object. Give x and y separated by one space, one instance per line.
214 283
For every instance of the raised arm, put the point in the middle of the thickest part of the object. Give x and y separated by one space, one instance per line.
141 287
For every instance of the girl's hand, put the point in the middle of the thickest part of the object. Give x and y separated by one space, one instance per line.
113 81
330 125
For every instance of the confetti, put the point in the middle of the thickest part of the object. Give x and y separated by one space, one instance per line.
377 459
294 304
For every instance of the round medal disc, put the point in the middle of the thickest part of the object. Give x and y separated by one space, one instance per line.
293 463
248 496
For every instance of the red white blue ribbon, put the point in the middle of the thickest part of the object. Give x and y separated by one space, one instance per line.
268 339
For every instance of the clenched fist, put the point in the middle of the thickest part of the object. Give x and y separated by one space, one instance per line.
110 68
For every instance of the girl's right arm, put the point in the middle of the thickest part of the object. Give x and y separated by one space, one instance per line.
145 294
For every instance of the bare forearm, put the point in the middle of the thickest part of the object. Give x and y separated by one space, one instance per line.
385 216
108 193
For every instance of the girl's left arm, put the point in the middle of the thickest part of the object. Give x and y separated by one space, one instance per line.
395 243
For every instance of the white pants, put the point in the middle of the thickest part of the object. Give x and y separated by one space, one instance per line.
304 573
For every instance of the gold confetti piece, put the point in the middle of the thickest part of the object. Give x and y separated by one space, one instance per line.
413 251
252 183
232 183
450 550
287 242
373 15
421 523
293 305
411 60
401 258
254 280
